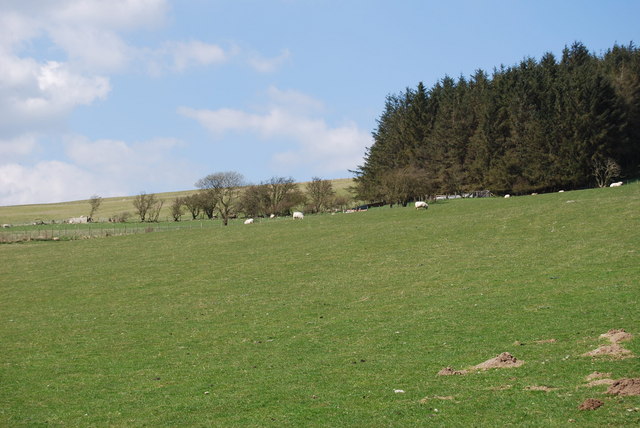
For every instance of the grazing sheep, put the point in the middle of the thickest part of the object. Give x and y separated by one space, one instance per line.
617 184
6 226
248 221
421 204
298 214
507 196
272 216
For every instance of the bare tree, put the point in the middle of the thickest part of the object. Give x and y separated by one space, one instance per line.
145 204
223 189
207 200
604 170
192 202
283 194
154 212
320 193
254 201
341 201
404 184
177 208
95 203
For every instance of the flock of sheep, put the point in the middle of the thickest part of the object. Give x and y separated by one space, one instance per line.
297 215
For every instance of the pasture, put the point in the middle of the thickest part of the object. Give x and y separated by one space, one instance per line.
321 322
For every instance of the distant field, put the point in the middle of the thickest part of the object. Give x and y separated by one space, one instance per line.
26 214
335 320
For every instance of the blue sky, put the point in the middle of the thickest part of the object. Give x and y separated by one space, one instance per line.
123 96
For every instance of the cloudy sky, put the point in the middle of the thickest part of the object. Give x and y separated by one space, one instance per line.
115 97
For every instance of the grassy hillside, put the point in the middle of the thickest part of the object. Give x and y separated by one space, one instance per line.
110 207
317 322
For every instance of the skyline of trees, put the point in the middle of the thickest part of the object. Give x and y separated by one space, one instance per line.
535 126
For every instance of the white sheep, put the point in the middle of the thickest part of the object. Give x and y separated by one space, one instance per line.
507 196
272 216
298 214
617 184
248 221
421 204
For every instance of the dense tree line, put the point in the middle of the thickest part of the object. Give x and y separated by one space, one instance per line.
225 195
537 126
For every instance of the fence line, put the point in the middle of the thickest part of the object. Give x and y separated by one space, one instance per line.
88 231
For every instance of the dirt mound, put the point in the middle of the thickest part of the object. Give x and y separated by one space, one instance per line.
590 404
448 371
625 387
613 350
617 335
503 360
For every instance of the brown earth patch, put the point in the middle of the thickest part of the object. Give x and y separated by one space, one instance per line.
545 341
500 387
539 388
436 397
613 350
448 371
590 404
503 360
597 375
625 387
617 335
599 382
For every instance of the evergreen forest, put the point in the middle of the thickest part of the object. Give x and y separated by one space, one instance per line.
537 126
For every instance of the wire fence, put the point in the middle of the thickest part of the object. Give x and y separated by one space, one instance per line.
58 232
92 230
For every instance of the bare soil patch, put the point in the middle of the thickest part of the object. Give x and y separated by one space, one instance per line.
448 371
504 360
590 404
500 387
436 397
597 375
599 382
539 388
613 350
627 386
539 342
598 378
617 335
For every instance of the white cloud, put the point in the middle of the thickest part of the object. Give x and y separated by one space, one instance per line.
18 147
179 56
294 101
33 96
48 181
105 167
93 49
317 146
195 53
268 65
88 31
144 162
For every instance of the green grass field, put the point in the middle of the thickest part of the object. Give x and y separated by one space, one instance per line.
317 322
